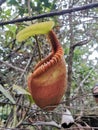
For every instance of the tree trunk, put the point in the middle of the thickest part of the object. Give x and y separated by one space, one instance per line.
70 60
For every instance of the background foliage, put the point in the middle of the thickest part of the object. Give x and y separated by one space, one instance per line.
78 33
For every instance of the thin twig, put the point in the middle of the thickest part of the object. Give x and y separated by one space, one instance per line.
29 8
80 43
25 69
52 123
40 123
11 66
51 14
87 76
3 128
39 52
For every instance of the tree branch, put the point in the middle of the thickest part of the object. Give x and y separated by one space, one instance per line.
82 82
11 66
3 128
42 123
80 43
51 14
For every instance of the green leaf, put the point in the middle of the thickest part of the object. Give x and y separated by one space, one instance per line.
12 28
8 12
12 2
6 94
20 90
38 28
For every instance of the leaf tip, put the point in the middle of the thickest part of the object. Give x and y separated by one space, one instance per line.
35 29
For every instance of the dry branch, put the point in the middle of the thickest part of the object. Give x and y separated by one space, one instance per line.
11 66
80 43
4 128
42 123
51 14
